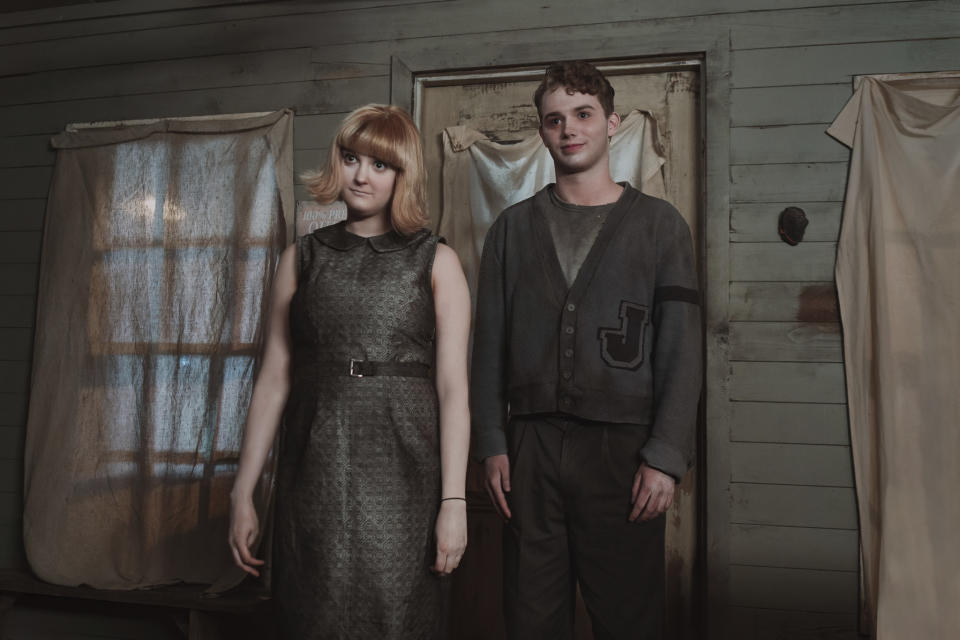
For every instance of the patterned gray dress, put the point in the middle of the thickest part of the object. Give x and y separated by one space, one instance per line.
358 480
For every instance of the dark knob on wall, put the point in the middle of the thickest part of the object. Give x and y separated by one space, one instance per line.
791 224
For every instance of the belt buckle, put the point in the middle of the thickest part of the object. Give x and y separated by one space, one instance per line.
355 374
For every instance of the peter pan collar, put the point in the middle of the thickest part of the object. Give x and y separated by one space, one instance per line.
339 238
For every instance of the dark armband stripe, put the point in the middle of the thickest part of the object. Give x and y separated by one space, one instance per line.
678 294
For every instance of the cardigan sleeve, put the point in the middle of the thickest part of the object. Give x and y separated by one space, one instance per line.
676 355
488 379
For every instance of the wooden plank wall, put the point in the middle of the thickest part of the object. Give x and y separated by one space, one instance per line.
788 555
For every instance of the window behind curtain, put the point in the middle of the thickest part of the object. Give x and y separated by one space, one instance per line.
157 254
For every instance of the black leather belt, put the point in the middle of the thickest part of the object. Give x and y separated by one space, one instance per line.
365 368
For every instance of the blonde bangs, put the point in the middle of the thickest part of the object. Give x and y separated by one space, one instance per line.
386 133
377 140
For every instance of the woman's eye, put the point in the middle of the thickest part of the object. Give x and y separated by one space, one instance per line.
349 157
380 165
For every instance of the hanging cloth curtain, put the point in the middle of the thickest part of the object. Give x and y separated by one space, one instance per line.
897 276
159 243
481 178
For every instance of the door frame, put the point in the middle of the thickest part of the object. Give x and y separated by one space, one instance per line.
658 46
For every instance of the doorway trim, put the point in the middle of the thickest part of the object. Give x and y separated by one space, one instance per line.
651 42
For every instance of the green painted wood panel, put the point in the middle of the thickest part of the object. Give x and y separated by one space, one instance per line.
18 279
785 341
140 15
758 221
789 183
16 311
164 76
820 382
15 343
348 27
26 151
14 376
11 474
315 131
789 422
12 442
784 301
22 215
766 261
785 144
774 106
23 183
11 506
839 63
794 547
815 465
20 246
305 97
13 409
793 506
793 589
842 25
11 548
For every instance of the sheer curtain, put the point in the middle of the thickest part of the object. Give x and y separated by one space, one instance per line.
160 241
897 266
481 178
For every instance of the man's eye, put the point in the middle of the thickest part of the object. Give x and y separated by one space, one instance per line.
583 115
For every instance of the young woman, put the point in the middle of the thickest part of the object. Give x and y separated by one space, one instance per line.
365 366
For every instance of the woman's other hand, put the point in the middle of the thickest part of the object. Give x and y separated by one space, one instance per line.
244 528
451 534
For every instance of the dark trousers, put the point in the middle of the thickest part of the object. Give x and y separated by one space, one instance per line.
571 484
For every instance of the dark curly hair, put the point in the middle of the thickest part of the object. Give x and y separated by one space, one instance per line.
575 76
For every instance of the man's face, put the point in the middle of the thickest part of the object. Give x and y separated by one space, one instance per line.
575 130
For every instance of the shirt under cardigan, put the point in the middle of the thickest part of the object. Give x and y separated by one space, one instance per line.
622 344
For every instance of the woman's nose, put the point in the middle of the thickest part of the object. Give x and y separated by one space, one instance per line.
361 173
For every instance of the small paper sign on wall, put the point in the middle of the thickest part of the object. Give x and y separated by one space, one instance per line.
311 215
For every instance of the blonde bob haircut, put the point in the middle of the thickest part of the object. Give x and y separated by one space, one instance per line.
386 133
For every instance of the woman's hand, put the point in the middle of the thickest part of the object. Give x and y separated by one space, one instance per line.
451 533
244 527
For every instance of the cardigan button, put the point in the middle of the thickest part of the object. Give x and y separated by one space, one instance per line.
568 329
568 353
571 307
567 374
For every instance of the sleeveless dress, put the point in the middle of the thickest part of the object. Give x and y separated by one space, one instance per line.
358 474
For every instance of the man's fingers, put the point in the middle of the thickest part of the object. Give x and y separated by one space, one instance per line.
495 491
505 478
637 482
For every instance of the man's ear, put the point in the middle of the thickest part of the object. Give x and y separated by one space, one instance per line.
613 123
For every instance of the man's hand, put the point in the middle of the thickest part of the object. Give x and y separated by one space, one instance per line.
652 493
498 482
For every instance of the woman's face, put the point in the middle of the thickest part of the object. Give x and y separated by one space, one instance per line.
366 184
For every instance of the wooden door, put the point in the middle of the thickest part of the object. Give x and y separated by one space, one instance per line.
499 104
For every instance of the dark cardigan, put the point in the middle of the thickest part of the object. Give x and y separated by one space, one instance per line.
621 345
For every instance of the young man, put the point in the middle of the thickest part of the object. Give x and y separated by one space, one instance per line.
586 378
